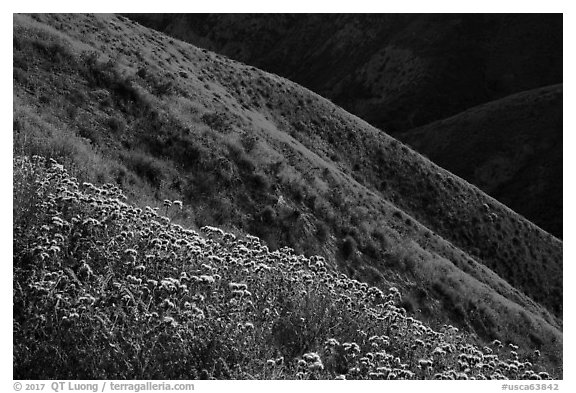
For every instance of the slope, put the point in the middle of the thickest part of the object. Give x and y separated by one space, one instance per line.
510 148
399 71
137 297
254 152
396 71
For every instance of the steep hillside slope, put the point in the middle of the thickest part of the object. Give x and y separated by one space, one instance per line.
403 71
253 152
510 148
396 71
105 290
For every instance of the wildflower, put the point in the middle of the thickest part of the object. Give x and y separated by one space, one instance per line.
424 363
133 280
236 286
351 347
354 371
438 351
198 297
311 357
130 251
74 315
168 304
197 313
316 366
207 279
332 342
85 270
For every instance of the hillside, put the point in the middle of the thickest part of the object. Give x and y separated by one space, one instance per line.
255 153
118 292
396 71
399 72
510 148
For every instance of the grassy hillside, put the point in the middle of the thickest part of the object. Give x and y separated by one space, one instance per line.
399 72
511 148
254 153
396 71
104 290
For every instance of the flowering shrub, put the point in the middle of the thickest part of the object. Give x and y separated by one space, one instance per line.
103 289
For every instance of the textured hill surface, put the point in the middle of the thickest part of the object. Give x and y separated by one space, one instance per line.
403 71
510 148
395 71
137 297
255 153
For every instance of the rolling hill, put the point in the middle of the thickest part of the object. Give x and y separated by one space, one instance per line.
510 148
401 72
396 71
254 153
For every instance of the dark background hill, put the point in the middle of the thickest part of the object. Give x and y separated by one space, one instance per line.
404 71
511 148
396 71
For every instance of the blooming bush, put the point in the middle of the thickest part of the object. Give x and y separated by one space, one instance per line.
103 289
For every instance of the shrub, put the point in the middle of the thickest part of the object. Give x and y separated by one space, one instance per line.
268 215
146 167
249 142
217 121
322 231
259 182
116 124
348 247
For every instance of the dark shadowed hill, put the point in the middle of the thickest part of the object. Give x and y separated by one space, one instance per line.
396 71
511 148
255 153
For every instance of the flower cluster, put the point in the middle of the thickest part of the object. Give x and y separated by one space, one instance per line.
109 290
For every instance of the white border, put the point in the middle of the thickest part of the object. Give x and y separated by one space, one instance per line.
488 6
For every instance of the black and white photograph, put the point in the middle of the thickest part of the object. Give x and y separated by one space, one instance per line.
286 196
